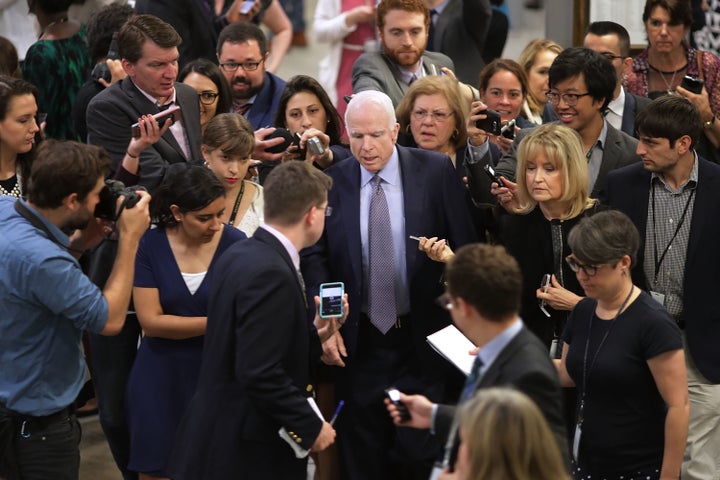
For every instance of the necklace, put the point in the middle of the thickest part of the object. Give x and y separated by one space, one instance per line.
669 86
52 24
15 191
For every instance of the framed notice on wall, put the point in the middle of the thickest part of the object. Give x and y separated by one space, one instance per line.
627 13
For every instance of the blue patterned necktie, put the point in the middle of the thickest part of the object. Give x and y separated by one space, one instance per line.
472 380
381 264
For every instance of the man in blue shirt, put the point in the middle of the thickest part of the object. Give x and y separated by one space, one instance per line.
48 302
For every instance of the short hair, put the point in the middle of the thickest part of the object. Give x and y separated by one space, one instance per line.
373 97
62 168
611 28
242 32
9 62
436 85
291 189
142 28
508 438
231 133
670 117
305 83
598 72
680 11
563 147
604 238
486 277
102 25
53 6
413 6
499 65
208 69
527 60
190 187
11 87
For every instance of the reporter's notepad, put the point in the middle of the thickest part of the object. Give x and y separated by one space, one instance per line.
454 347
299 451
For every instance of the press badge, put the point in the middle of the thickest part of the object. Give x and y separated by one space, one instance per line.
658 297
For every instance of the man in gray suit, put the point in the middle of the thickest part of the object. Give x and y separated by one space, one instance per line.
403 32
582 83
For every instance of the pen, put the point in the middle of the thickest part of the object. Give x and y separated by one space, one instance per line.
413 237
337 412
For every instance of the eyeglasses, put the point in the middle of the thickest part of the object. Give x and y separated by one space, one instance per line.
233 66
207 97
575 266
655 24
328 210
610 56
444 301
570 99
437 116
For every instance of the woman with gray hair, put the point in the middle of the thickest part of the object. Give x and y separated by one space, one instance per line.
624 353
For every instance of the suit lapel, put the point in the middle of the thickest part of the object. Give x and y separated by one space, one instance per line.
349 185
490 377
413 202
628 118
269 239
706 195
611 152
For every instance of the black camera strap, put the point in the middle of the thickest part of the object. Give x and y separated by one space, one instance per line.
28 215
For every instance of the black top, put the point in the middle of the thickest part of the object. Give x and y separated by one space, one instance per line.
624 426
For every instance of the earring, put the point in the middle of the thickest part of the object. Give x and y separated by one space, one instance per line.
205 164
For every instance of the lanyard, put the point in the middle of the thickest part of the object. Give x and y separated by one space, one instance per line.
586 371
237 203
658 261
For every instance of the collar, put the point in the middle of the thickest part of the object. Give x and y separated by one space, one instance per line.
250 101
439 9
690 184
59 235
170 101
617 105
490 351
289 247
407 74
390 174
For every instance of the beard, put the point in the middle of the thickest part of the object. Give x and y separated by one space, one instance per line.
410 56
246 94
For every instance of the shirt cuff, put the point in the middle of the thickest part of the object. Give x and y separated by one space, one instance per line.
477 153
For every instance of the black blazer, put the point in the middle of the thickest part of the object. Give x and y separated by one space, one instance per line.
525 365
254 376
628 190
434 205
111 113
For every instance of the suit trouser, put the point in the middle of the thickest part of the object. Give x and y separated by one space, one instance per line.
702 453
370 446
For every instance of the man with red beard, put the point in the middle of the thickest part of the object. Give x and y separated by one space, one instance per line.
403 32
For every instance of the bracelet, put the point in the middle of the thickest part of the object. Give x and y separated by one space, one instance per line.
127 152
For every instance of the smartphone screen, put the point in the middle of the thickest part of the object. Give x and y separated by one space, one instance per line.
246 6
331 299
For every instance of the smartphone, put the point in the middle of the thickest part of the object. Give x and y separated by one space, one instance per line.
172 112
508 130
301 152
393 394
491 124
693 84
331 299
246 7
544 285
490 171
101 69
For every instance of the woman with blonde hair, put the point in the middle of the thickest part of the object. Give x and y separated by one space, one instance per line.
535 59
504 436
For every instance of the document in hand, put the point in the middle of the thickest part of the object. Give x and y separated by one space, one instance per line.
299 452
453 346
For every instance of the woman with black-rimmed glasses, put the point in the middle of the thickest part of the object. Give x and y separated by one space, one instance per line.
623 352
213 91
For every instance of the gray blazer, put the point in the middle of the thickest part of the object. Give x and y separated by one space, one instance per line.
619 151
460 33
111 113
375 71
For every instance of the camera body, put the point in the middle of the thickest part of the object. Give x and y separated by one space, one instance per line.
315 146
491 124
106 207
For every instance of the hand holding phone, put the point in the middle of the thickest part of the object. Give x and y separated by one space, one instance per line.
491 124
246 7
393 394
695 85
331 300
544 285
172 112
490 172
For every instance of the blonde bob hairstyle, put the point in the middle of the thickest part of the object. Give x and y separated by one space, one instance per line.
436 85
527 59
506 437
563 148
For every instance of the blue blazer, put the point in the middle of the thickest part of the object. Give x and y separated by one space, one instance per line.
262 112
628 190
434 206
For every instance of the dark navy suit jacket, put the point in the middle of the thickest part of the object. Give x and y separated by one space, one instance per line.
262 112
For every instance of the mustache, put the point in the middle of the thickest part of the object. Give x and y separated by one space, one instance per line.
241 81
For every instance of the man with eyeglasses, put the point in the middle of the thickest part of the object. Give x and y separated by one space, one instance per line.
612 41
673 197
148 49
582 83
242 54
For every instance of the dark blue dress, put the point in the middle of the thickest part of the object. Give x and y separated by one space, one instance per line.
165 372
